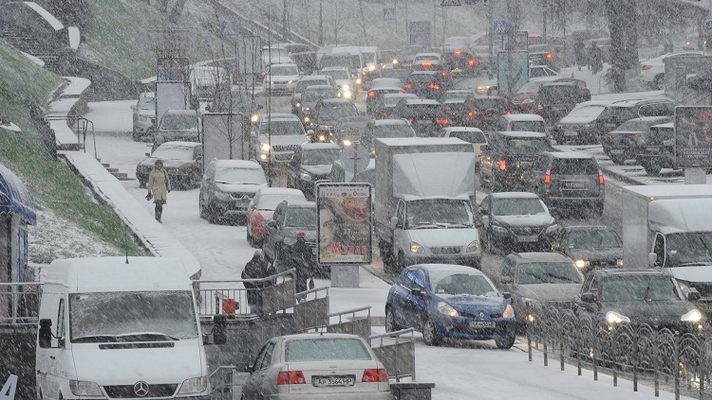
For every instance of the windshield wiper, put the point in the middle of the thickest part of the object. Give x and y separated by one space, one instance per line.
454 224
95 339
147 336
425 225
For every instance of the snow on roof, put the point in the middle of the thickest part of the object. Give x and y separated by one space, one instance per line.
571 154
387 122
248 164
283 65
318 146
112 274
542 257
74 37
461 129
51 19
177 143
524 117
327 69
278 116
522 134
671 191
421 141
420 101
313 78
514 195
403 95
269 191
668 125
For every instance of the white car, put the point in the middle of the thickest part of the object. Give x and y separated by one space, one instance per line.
282 78
541 71
424 57
283 131
653 71
342 77
522 122
317 367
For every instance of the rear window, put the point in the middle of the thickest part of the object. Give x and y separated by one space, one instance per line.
574 167
301 217
325 349
469 136
529 126
618 113
526 146
490 104
422 78
555 94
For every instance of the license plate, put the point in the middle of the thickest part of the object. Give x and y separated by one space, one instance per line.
575 185
321 381
570 133
652 149
482 324
617 151
524 164
532 238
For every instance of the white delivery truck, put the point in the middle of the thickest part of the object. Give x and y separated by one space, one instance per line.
670 226
425 189
112 329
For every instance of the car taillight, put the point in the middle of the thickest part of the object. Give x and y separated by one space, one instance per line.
434 86
549 56
410 120
547 178
457 53
257 217
375 375
301 235
291 378
601 179
442 121
502 165
408 86
470 114
508 113
647 67
443 74
426 65
472 62
371 93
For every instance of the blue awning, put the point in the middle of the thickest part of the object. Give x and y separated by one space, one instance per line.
15 198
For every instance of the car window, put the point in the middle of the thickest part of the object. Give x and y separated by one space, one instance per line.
526 145
416 278
517 206
530 126
508 268
282 128
459 283
305 350
300 217
594 239
548 272
469 136
577 166
647 288
60 319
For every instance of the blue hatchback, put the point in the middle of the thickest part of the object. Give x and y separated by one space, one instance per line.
450 301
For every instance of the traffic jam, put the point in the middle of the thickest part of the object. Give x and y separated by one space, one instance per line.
357 216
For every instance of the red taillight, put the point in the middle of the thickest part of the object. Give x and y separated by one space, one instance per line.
457 53
408 85
472 62
601 179
470 114
301 235
443 74
426 65
442 121
502 165
371 93
434 86
375 375
647 67
549 56
410 120
547 178
291 378
508 113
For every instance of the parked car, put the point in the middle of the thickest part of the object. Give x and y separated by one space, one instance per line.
590 246
425 115
316 366
276 136
453 102
653 71
379 88
522 122
308 99
385 128
508 156
469 135
483 111
543 279
385 107
569 181
426 84
583 125
290 223
556 99
513 221
613 297
181 160
310 164
450 301
624 142
144 115
306 81
658 152
177 125
262 206
227 188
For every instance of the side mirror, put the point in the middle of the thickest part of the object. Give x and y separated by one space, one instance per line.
310 132
251 368
272 224
394 222
693 295
652 259
147 154
506 280
507 295
588 298
219 329
45 334
417 291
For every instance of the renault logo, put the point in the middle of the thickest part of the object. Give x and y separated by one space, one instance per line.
141 389
482 315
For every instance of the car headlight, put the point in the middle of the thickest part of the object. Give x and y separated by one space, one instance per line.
297 104
447 309
371 68
693 315
358 81
307 119
613 317
194 385
307 109
85 388
263 157
473 246
346 88
416 248
290 82
254 118
499 229
347 95
223 196
508 312
306 176
347 142
619 263
528 101
265 147
684 287
321 138
581 264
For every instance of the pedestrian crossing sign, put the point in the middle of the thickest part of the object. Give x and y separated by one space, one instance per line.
389 13
445 3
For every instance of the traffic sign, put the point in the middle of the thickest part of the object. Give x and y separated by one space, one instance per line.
501 27
228 28
446 3
389 13
708 25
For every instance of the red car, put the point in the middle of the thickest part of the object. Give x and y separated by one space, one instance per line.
262 206
485 111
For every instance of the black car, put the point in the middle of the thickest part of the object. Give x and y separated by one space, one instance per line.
514 220
385 128
291 223
590 246
583 125
227 188
379 88
311 163
621 111
425 115
624 142
568 180
387 105
613 297
181 160
555 100
426 84
308 99
658 150
339 120
453 102
508 156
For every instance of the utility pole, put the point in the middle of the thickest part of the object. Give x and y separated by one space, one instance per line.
269 101
545 13
285 26
363 22
490 34
321 22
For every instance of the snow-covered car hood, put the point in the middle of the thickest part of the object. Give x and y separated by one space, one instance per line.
576 120
455 237
543 292
317 169
238 188
285 78
284 140
127 366
341 82
596 255
525 220
474 304
701 274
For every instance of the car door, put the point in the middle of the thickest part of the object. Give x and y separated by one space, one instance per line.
401 288
207 185
266 386
399 235
293 168
482 218
419 298
271 232
406 302
590 285
57 371
251 388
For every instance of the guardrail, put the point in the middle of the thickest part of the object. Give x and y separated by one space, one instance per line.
81 127
19 303
312 311
356 325
397 353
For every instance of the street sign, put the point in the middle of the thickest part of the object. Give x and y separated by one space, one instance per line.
228 29
693 136
501 27
389 13
446 3
708 25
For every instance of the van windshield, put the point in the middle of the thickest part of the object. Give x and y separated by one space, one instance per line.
689 248
132 316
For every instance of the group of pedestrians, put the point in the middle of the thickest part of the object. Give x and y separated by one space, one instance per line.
591 57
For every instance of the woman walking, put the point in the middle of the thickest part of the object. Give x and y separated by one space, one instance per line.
158 187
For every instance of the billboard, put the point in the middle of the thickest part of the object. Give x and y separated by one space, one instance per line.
343 223
693 136
222 136
520 70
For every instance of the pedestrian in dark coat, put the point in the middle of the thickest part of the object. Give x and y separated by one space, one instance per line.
257 268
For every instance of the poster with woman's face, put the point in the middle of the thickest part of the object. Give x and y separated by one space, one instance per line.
344 223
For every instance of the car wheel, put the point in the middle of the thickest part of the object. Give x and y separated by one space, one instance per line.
391 325
141 184
431 337
213 217
505 342
489 246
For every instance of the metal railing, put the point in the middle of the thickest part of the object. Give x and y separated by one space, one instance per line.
223 383
356 325
19 302
312 309
81 126
397 352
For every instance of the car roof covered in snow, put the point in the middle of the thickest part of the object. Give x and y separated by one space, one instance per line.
389 122
540 257
523 117
319 146
279 116
113 274
328 69
454 268
317 77
417 100
461 129
237 164
522 134
514 195
571 155
179 144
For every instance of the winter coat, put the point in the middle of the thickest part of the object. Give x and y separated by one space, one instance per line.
159 185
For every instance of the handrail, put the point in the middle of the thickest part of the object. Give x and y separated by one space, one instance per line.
292 272
352 311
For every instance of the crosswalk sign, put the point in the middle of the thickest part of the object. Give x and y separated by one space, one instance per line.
445 3
228 28
389 13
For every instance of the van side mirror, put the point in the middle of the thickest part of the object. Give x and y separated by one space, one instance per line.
652 259
45 334
394 222
693 295
147 154
588 298
507 295
219 329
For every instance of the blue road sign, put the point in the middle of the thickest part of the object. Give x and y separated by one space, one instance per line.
389 13
501 27
228 28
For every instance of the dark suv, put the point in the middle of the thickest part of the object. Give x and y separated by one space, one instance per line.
568 180
508 156
292 225
427 84
624 142
425 116
555 100
658 152
621 111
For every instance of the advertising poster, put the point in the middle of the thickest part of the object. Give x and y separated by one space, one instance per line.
343 223
520 70
693 136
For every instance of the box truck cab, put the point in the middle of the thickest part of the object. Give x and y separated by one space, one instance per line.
116 329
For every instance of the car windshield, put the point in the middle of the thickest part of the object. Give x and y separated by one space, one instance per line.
639 288
301 217
530 87
303 84
393 131
529 126
173 153
305 350
271 201
320 156
574 166
283 128
548 272
132 316
338 75
448 283
438 213
331 112
593 239
635 125
314 95
422 78
245 176
391 101
178 122
469 136
490 104
283 70
617 114
517 206
526 146
689 248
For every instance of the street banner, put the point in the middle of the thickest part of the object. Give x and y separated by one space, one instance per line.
693 136
343 223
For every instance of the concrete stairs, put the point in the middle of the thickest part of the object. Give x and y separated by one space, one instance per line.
122 176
